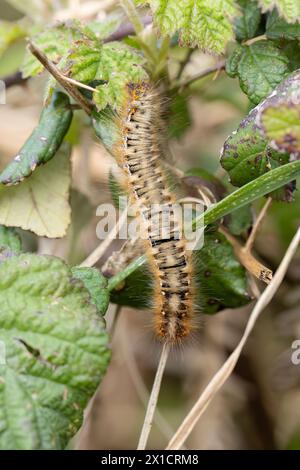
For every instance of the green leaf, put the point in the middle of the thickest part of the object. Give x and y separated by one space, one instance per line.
292 50
9 33
96 284
44 141
246 154
260 67
202 23
279 116
288 9
10 239
55 42
40 203
220 280
114 64
232 62
247 24
240 221
56 352
278 28
264 184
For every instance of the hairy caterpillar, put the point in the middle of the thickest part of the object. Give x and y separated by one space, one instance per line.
139 153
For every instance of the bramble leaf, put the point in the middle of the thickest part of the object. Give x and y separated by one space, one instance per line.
260 67
246 154
202 23
55 42
278 28
114 64
96 284
247 24
40 203
56 352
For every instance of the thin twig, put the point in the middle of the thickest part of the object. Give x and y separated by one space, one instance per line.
183 63
79 84
101 249
60 78
250 242
224 372
13 79
140 386
246 258
244 253
153 398
126 29
214 68
113 320
262 37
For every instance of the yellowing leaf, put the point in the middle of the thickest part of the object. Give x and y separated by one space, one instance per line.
40 203
279 116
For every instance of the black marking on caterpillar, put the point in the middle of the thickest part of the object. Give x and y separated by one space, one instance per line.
139 153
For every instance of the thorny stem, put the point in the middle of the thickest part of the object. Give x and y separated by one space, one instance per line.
153 398
60 78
